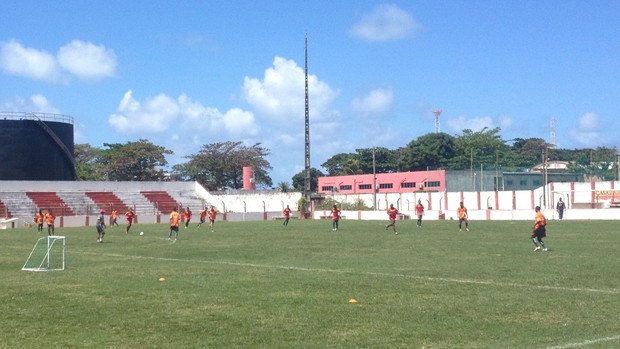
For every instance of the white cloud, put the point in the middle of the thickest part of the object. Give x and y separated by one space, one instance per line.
162 113
87 61
83 60
280 96
378 101
37 103
387 22
15 59
475 124
587 133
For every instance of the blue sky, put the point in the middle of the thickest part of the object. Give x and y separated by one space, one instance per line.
187 73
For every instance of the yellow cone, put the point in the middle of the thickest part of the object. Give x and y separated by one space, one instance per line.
353 301
162 279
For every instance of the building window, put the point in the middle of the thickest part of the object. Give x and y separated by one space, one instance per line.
407 185
328 188
433 184
385 186
536 182
365 186
523 182
346 187
509 182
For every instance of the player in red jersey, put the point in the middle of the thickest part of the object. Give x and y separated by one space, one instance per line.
129 217
392 212
287 215
203 216
335 217
419 210
187 214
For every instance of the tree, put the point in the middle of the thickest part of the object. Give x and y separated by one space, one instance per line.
481 147
88 166
134 161
342 164
219 165
300 178
433 150
383 160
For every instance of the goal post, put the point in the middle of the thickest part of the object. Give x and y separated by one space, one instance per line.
48 254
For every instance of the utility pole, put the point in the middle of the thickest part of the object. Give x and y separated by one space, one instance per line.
374 180
307 158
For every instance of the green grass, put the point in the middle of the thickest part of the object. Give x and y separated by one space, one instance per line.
261 285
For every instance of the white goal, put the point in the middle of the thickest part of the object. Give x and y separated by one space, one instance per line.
48 254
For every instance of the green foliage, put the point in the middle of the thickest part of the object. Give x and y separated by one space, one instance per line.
327 204
134 161
219 165
433 150
88 164
356 205
299 180
284 187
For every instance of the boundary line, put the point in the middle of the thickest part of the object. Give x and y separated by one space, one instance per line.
398 275
585 343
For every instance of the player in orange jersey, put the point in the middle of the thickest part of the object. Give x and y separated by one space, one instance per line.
114 217
38 219
212 214
175 218
463 218
50 218
202 215
538 230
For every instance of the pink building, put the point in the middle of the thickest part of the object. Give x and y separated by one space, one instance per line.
400 182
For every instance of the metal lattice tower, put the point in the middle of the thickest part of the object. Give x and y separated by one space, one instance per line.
437 113
307 173
552 124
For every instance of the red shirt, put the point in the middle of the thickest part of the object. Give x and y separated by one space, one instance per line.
392 212
187 214
335 213
287 212
130 216
419 209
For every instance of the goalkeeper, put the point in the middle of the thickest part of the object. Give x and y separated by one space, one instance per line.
100 226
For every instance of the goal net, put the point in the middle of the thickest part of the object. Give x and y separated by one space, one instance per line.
48 254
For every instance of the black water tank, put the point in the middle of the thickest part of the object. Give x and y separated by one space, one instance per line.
36 147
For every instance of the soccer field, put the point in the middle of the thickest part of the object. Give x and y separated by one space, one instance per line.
263 285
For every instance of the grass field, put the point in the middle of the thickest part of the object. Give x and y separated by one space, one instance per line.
262 285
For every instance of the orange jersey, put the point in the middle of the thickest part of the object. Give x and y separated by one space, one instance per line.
175 217
212 214
462 212
203 214
38 218
114 214
539 220
50 218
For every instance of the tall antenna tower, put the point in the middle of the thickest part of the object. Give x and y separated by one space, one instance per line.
552 124
307 173
437 113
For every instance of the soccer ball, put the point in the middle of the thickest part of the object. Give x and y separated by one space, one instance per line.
141 233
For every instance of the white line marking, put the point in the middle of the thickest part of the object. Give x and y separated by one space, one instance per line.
426 278
585 343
